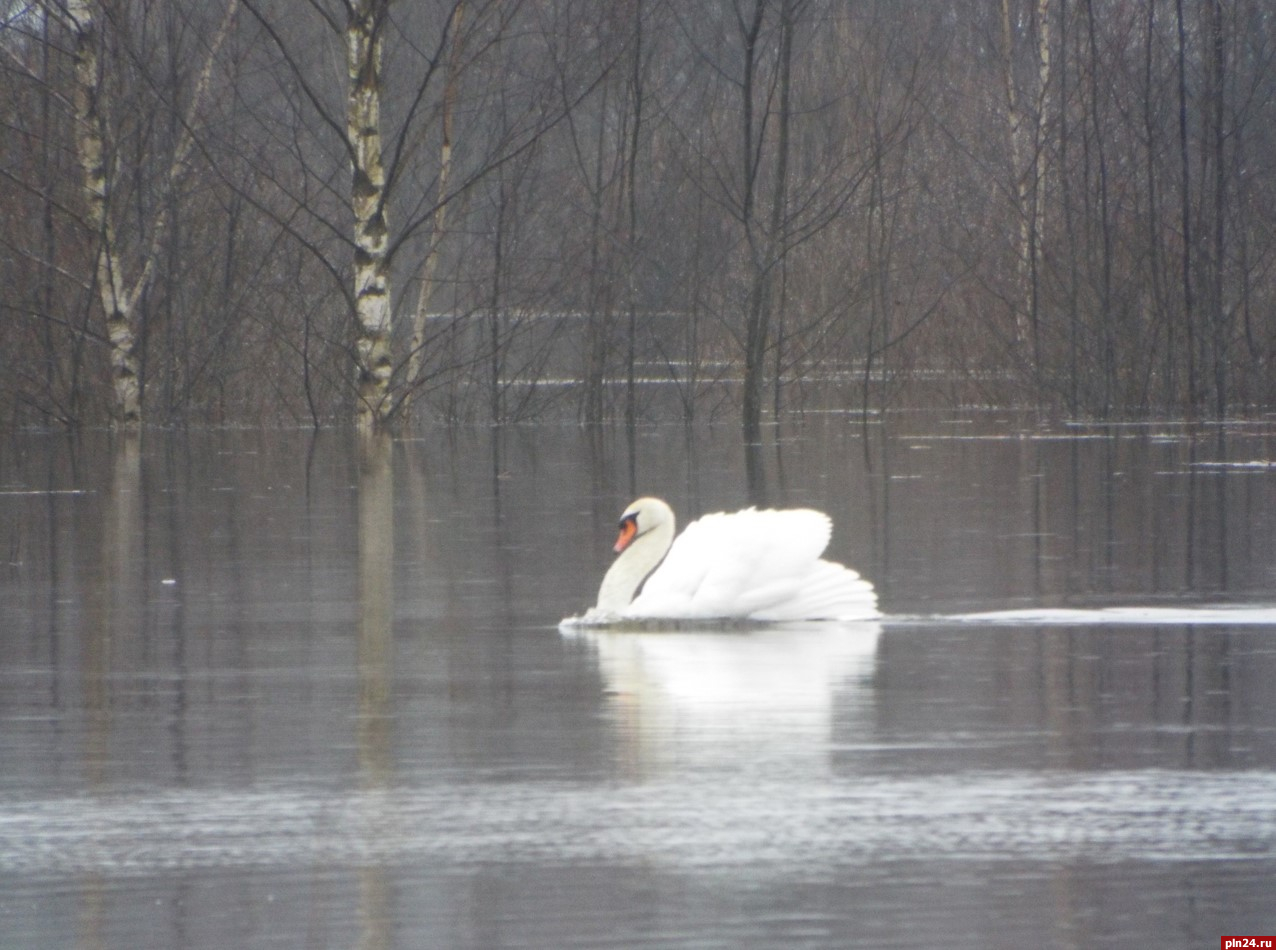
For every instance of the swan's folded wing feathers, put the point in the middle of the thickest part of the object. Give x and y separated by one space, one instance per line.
681 573
673 588
736 564
761 560
830 591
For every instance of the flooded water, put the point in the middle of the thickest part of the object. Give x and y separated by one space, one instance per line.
265 689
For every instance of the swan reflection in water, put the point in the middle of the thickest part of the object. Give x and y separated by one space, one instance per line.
765 695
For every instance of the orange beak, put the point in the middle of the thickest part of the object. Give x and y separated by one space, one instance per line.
628 529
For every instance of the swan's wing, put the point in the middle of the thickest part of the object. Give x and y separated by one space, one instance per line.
744 564
830 591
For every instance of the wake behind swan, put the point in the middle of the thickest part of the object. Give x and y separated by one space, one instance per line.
1187 615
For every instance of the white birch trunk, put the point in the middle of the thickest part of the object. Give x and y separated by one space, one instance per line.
118 300
108 271
367 200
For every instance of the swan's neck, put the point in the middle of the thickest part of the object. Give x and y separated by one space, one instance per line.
632 567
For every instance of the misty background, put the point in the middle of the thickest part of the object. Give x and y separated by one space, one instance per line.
309 211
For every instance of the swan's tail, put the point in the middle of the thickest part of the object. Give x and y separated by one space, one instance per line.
831 592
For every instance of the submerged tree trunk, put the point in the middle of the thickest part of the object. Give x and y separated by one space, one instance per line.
416 350
1185 212
764 237
63 406
755 328
1036 224
1027 159
1217 112
118 299
495 367
1155 228
777 256
1069 220
1107 316
117 302
635 139
367 200
598 329
1020 179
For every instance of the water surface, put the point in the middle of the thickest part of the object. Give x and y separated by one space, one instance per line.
264 689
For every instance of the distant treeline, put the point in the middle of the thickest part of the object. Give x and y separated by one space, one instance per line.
278 211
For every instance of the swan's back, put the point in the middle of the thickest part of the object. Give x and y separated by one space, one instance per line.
761 565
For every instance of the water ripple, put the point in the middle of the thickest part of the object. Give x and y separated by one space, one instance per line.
1145 815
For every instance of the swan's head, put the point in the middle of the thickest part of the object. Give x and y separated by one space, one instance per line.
642 517
646 532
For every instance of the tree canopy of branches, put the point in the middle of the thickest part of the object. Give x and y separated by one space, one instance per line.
330 211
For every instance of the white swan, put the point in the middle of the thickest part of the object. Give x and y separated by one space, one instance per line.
745 565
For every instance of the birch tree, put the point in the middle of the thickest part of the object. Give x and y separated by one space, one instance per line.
117 292
1067 201
469 49
117 300
374 166
363 35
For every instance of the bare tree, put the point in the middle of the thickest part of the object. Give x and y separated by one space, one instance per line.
365 24
1185 212
118 292
1026 126
429 268
343 209
747 170
462 68
1216 150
